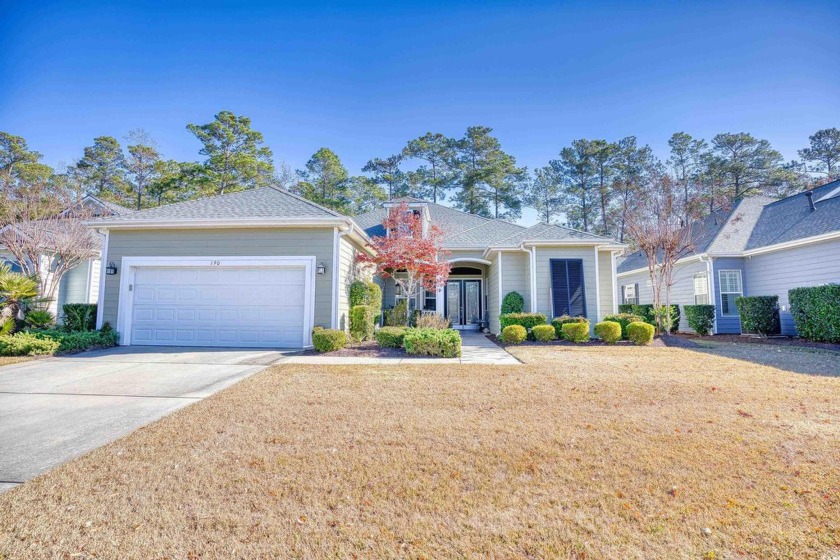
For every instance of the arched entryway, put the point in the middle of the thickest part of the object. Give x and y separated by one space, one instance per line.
464 297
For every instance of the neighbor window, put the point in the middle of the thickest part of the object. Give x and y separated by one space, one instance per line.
630 294
401 296
730 289
701 289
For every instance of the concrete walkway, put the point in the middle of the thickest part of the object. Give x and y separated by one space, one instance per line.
475 349
55 409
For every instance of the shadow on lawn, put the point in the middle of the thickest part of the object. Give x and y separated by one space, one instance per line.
789 358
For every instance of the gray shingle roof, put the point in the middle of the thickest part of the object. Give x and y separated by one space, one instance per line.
266 202
791 219
760 221
469 230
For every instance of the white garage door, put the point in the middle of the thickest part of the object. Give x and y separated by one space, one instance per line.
234 307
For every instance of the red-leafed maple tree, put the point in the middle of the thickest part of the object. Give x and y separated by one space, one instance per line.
410 253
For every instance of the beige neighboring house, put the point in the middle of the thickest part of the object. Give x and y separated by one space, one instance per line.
80 284
262 267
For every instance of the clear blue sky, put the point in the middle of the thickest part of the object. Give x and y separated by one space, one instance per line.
362 80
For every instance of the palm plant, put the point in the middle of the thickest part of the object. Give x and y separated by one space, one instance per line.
15 290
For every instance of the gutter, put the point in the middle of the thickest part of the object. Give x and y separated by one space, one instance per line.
227 223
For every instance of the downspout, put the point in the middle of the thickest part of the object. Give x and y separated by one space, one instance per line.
712 294
614 281
338 233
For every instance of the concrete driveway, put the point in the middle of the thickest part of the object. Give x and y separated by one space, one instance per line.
55 409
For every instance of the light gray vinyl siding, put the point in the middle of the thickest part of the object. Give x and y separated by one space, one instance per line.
516 275
73 287
493 301
347 260
298 242
682 290
773 274
543 274
607 283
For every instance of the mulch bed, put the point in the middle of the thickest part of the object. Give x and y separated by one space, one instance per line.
753 339
671 341
368 349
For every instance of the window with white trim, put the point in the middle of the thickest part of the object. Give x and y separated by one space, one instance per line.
731 288
430 303
401 295
701 289
630 294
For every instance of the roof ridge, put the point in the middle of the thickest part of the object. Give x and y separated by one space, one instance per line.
305 200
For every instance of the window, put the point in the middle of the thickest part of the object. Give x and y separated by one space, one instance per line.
701 289
630 294
400 296
430 303
568 296
730 288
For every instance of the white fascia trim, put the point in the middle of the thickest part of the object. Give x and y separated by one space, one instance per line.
130 264
684 260
237 223
100 300
793 244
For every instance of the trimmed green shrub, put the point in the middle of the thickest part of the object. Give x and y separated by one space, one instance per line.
79 316
576 332
361 322
701 318
390 337
359 293
608 331
433 342
640 333
328 340
544 333
558 323
816 312
625 308
527 320
27 344
78 341
623 319
397 316
375 297
39 319
514 334
759 314
513 302
648 315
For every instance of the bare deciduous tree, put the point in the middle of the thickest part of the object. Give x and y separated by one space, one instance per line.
655 223
47 247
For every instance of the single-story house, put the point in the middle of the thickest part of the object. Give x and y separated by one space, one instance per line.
81 283
262 267
762 246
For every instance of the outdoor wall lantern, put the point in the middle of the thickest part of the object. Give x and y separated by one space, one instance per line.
322 268
111 269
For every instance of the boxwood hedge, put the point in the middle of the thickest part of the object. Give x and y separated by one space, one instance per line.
816 312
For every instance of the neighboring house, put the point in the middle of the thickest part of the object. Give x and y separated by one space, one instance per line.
763 246
556 269
80 284
262 267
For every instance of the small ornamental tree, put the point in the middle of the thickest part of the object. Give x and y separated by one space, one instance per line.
409 253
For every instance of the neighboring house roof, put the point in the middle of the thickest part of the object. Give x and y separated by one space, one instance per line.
757 222
791 219
108 207
463 230
267 203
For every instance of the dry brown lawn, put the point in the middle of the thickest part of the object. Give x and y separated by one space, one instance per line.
582 453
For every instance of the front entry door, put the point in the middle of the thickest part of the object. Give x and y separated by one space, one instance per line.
463 303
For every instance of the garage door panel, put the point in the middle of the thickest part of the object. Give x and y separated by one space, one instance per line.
219 306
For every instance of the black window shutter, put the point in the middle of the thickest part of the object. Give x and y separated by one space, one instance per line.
567 287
